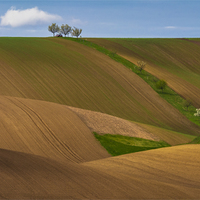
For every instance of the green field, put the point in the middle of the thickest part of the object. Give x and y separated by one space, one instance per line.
118 145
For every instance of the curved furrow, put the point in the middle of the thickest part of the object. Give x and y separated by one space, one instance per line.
49 135
46 129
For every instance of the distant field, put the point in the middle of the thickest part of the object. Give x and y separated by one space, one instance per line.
175 60
65 72
169 95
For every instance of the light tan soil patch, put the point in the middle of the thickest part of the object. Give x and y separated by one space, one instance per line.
107 124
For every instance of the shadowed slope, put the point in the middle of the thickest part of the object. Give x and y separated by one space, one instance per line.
174 60
25 176
46 129
169 173
66 72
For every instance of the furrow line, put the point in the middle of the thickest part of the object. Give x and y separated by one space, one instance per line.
52 133
44 135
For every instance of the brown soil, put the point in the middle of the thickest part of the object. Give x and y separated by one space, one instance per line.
46 129
169 173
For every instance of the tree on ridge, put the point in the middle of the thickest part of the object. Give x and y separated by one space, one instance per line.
65 29
76 32
54 28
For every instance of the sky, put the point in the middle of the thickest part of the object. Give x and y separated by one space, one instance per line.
102 18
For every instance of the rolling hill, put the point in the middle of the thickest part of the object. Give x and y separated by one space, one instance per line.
168 173
65 72
55 92
46 129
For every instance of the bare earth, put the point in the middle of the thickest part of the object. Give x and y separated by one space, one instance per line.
107 124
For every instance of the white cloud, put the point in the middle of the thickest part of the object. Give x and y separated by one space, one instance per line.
32 16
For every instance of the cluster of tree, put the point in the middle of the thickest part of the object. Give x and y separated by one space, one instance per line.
65 30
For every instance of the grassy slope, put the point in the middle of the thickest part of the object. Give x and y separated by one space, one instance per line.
174 60
63 71
118 145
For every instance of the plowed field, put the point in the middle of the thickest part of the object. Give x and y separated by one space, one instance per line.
54 93
168 173
63 71
46 129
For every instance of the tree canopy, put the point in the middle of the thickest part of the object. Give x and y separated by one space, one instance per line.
54 28
141 65
161 84
76 32
65 29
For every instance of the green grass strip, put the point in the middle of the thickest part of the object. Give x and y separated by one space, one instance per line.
169 95
118 145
